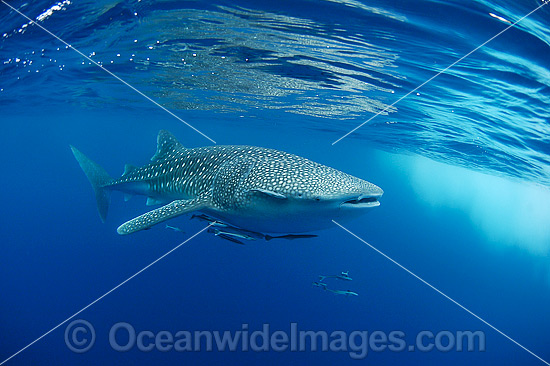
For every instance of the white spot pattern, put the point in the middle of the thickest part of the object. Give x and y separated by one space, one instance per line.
229 175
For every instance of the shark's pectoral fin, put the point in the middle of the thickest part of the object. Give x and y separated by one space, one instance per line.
173 209
269 193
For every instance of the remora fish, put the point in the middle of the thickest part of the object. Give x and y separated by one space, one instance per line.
225 236
212 221
236 232
257 189
249 235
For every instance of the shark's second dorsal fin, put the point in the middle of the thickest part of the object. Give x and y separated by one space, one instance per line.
128 168
166 144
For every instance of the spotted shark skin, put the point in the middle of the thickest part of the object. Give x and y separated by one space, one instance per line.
254 188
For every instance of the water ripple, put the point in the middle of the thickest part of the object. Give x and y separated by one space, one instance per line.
335 62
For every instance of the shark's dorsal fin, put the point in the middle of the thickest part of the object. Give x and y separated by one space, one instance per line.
166 144
128 168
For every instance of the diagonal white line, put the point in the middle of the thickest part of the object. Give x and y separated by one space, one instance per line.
438 291
108 72
439 73
105 294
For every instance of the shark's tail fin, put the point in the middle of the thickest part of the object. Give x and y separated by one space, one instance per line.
98 177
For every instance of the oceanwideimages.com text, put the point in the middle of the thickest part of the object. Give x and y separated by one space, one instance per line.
80 337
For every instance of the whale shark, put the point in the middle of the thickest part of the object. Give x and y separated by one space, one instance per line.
257 189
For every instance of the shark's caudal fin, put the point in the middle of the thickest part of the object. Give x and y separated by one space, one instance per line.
98 177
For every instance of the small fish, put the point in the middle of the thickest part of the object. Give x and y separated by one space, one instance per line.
290 236
320 284
211 220
220 228
240 233
342 276
175 229
343 292
224 231
224 236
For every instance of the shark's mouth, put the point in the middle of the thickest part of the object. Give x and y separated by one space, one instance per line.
361 202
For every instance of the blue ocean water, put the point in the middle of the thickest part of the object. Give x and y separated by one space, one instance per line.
463 160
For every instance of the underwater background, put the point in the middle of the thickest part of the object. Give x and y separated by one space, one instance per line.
464 163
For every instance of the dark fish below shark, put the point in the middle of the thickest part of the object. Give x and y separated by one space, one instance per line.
257 189
234 234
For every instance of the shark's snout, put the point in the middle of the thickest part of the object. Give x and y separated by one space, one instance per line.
364 200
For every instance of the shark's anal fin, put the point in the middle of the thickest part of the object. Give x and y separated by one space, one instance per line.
153 201
173 209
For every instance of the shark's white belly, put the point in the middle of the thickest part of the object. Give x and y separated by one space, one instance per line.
283 221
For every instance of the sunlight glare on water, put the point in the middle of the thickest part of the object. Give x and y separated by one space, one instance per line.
506 211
